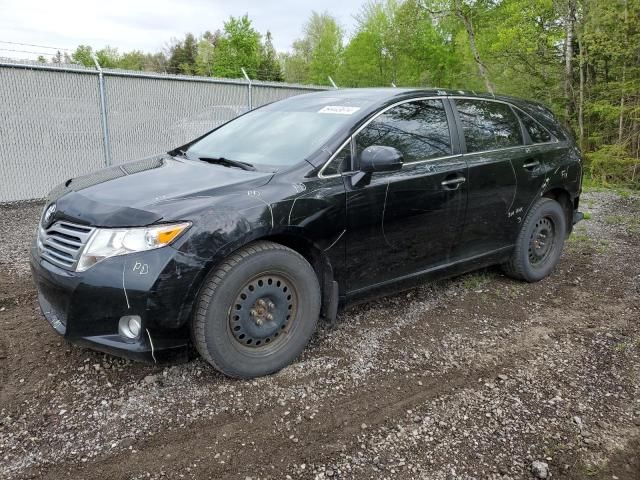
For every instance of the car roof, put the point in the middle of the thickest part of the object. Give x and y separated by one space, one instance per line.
389 94
370 99
386 93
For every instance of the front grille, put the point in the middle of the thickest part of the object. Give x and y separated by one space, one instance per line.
62 243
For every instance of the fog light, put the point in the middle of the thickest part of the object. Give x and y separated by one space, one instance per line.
130 326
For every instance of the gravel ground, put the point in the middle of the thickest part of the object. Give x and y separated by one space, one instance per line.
475 377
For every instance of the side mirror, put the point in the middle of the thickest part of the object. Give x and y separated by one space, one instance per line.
378 158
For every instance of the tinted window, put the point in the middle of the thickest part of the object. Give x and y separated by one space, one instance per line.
536 131
417 129
341 162
488 125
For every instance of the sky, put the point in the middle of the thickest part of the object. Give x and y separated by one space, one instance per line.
148 25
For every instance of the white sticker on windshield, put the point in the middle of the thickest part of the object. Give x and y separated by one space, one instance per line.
339 109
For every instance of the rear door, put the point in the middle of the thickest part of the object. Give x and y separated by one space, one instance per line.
405 221
494 149
544 155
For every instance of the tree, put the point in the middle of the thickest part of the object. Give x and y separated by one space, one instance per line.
238 47
108 57
269 66
467 12
57 58
133 60
182 55
83 54
317 55
206 53
295 65
155 62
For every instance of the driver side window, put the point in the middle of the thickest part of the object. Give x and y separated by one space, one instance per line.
419 130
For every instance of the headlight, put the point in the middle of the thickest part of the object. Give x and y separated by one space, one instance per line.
109 242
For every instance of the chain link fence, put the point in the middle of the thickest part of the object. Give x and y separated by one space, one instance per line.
53 125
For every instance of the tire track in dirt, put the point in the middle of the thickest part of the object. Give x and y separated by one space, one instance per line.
389 397
405 352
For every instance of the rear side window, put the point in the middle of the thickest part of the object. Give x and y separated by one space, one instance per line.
536 131
488 125
419 130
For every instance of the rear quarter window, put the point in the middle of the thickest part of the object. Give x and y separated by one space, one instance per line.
537 132
547 119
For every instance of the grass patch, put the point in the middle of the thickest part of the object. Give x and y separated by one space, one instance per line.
591 470
475 280
579 241
589 185
509 291
631 224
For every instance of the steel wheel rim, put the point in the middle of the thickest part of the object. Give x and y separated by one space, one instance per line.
261 317
541 242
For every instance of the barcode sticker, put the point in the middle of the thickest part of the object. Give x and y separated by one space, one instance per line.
338 109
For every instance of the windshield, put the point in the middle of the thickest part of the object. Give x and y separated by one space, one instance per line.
281 134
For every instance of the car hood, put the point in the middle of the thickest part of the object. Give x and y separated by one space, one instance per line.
144 192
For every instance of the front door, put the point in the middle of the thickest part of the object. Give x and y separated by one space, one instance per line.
406 221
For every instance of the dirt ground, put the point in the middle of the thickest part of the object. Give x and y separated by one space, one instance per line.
478 377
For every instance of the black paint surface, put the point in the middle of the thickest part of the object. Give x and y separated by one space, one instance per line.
371 233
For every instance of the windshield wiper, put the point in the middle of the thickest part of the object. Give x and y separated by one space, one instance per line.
228 163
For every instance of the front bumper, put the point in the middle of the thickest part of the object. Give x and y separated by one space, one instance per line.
85 307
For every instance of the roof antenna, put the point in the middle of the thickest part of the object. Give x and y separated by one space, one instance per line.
393 85
332 82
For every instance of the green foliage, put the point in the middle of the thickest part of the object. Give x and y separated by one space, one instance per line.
611 165
579 57
396 43
317 55
83 55
473 281
133 60
182 56
238 47
269 66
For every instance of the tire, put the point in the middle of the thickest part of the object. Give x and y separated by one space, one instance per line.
256 311
533 257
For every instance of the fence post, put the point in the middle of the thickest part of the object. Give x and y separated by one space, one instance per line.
103 114
244 72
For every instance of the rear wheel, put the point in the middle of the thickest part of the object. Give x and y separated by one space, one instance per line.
539 242
256 311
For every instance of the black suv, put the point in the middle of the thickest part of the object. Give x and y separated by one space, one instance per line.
239 241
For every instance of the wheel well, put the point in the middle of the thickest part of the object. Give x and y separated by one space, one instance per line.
561 196
316 258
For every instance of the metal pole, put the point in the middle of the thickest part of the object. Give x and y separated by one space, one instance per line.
244 72
332 82
103 114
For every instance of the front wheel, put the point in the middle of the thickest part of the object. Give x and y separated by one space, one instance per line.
257 311
539 242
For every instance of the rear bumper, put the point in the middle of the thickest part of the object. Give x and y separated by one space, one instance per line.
85 308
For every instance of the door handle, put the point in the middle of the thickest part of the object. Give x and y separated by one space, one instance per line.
453 183
532 165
